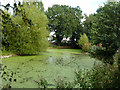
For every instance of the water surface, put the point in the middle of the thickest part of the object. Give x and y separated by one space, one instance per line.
51 65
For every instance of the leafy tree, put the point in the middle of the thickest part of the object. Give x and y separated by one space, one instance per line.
5 19
27 34
87 24
106 29
65 21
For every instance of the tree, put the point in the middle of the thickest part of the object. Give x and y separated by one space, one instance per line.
5 20
26 33
65 21
106 29
87 24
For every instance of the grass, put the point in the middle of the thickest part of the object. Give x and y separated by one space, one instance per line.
52 64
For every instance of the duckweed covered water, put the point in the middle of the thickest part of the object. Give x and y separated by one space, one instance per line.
51 65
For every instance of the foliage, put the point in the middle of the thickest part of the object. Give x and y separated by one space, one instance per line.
84 42
5 19
4 53
117 58
65 21
64 84
54 46
81 79
87 24
105 76
42 82
106 29
25 30
8 77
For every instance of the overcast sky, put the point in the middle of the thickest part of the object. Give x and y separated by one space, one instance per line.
87 6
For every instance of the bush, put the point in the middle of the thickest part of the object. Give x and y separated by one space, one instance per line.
101 76
84 42
26 32
102 54
64 84
42 83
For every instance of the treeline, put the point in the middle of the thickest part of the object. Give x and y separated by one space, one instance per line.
104 27
99 34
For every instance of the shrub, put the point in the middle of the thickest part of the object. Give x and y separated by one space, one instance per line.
101 76
101 53
42 83
84 42
86 47
64 84
82 79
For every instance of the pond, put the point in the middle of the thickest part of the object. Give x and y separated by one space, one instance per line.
51 65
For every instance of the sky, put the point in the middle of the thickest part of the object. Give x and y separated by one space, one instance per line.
87 6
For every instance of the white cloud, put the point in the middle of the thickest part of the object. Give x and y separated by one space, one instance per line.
87 6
